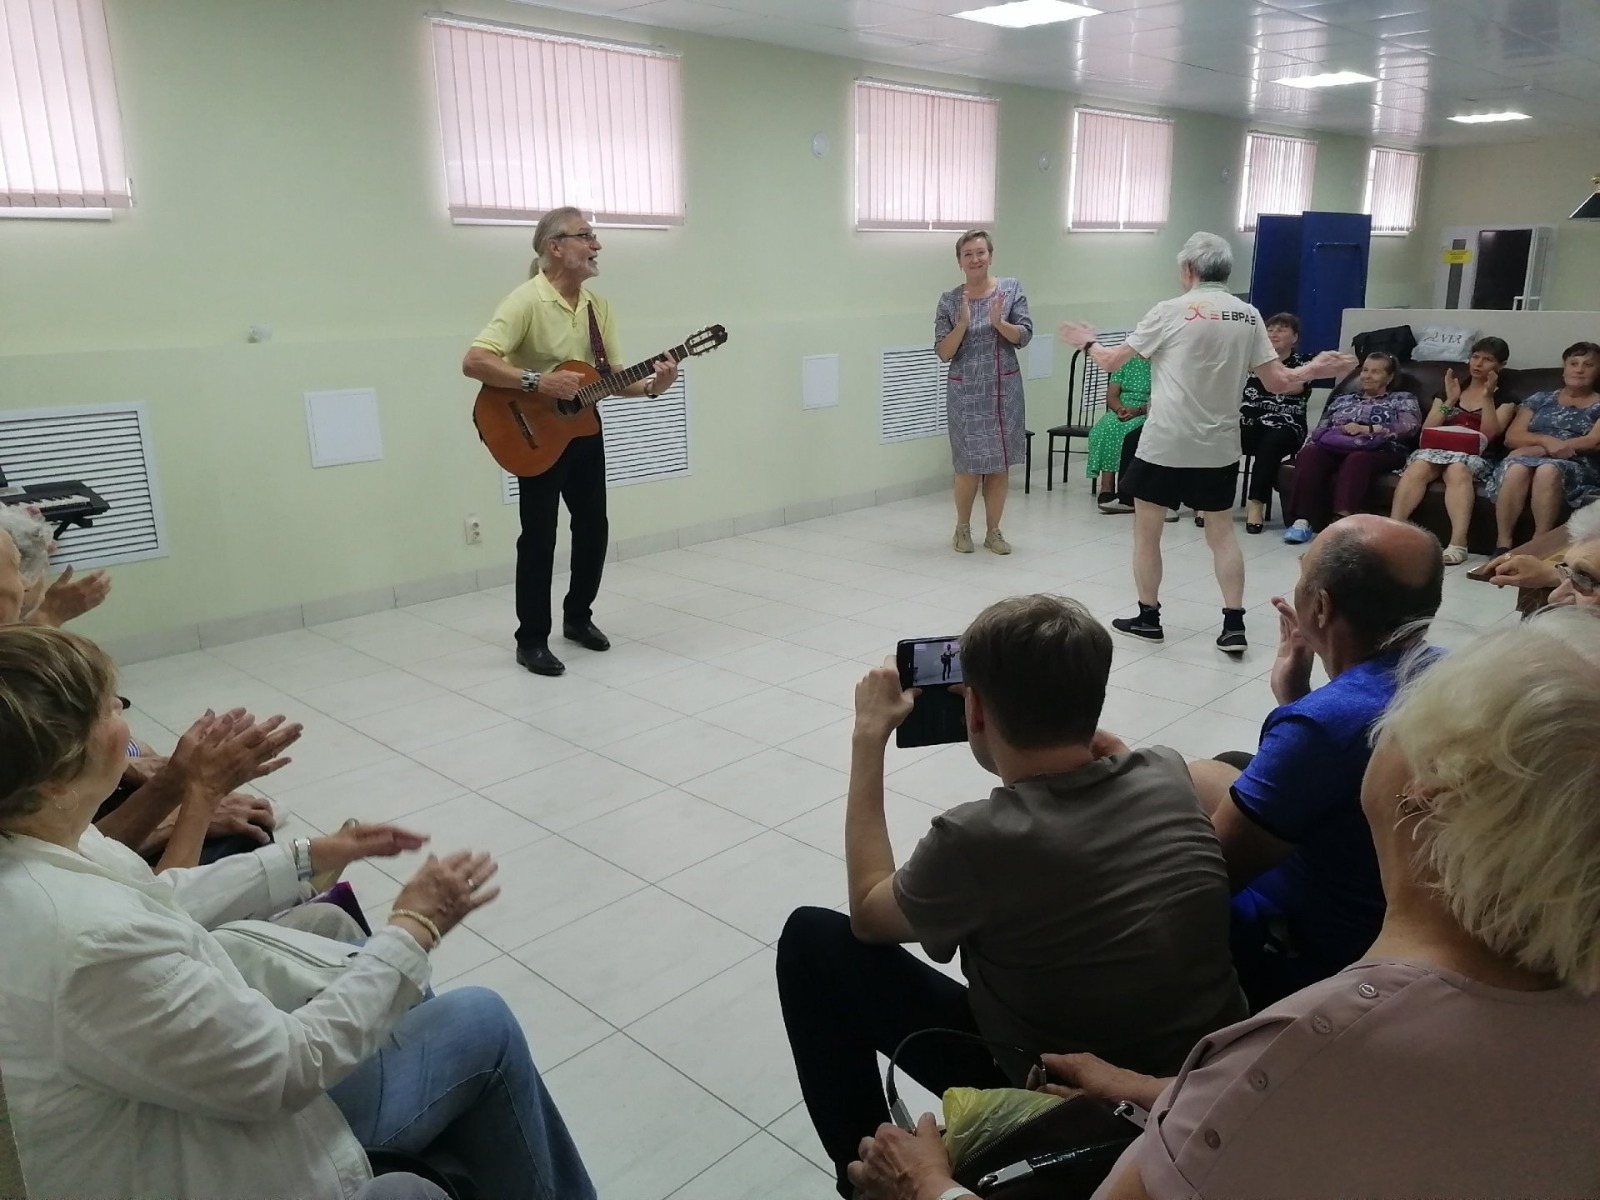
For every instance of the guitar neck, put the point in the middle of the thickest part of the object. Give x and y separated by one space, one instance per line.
610 385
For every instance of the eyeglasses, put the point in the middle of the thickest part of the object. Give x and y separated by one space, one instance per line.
587 235
1582 582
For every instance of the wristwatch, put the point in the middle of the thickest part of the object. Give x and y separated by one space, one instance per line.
530 381
302 859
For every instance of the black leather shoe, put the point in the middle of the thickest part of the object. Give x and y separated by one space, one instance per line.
1253 527
539 660
586 635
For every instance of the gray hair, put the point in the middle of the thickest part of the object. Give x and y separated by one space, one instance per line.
1210 257
33 538
549 225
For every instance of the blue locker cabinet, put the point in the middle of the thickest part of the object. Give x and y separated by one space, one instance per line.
1315 266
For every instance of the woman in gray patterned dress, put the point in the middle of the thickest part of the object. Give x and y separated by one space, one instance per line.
977 329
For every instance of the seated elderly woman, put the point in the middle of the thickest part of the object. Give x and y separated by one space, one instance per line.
1554 450
138 1060
1127 402
1470 412
1458 1058
220 753
26 591
1362 434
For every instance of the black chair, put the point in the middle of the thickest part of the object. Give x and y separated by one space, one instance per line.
1086 399
1027 464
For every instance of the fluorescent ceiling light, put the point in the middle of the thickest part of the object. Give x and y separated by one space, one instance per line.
1020 14
1488 118
1326 80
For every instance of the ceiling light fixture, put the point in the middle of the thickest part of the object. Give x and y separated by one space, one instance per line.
1488 118
1327 80
1021 14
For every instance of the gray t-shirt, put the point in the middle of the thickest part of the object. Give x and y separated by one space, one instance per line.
1090 910
1202 346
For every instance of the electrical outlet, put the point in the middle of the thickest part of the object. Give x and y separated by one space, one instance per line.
474 530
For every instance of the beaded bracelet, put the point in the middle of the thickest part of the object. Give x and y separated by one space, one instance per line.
425 922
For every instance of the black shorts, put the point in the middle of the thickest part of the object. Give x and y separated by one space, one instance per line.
1204 489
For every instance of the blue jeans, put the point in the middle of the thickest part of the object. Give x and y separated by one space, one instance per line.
456 1076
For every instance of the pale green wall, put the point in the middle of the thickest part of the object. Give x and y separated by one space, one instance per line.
1516 183
285 161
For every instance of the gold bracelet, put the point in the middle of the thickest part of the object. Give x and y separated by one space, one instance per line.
425 922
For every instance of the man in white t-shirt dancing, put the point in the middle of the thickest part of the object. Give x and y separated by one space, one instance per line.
1201 346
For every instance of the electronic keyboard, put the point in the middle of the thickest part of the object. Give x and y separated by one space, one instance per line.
64 503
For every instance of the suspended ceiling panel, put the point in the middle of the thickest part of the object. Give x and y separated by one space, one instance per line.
1431 58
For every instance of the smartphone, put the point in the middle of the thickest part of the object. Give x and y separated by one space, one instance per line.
940 713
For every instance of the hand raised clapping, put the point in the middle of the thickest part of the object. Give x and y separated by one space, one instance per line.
219 754
446 889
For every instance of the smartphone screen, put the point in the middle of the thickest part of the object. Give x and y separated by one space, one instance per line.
939 716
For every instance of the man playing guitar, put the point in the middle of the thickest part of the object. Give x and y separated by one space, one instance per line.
552 319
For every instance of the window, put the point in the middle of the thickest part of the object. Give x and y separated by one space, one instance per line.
60 133
531 122
1277 176
1121 171
1393 179
924 160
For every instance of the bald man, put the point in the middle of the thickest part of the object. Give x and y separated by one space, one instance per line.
1307 901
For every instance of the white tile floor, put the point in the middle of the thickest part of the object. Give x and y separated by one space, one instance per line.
659 810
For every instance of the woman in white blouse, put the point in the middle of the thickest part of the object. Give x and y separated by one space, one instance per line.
137 1060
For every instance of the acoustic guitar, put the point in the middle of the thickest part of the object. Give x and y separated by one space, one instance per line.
526 432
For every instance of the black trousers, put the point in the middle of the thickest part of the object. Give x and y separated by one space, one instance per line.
1130 447
579 478
1267 448
844 1002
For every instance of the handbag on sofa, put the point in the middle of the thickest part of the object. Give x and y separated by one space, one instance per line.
1453 437
287 966
1018 1145
1397 340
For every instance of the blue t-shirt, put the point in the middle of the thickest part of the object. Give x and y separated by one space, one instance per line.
1304 787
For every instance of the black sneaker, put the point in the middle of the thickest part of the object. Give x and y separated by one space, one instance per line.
1232 641
1144 626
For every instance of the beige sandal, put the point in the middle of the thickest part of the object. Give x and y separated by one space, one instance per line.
1454 556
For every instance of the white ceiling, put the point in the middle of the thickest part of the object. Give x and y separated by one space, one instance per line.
1432 58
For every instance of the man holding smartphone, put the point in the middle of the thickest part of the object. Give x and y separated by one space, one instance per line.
1086 895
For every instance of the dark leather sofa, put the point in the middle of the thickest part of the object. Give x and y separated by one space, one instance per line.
1426 381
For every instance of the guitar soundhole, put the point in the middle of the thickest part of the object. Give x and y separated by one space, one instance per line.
569 408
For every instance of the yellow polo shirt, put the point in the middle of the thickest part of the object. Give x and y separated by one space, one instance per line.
534 329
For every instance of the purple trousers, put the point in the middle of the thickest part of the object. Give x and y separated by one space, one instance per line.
1330 481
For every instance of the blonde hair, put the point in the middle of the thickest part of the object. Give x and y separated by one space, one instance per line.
549 225
1503 742
54 687
973 235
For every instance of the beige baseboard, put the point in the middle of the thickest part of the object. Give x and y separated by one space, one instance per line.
180 640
